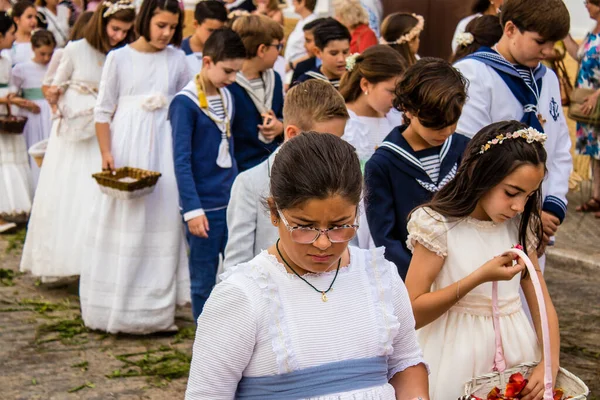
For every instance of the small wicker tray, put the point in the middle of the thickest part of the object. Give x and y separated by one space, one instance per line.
38 150
12 124
127 183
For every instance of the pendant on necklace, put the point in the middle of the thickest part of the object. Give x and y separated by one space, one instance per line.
541 119
324 297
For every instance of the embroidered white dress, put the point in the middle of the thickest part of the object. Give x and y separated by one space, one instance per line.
15 178
61 209
137 269
279 324
26 76
366 134
460 344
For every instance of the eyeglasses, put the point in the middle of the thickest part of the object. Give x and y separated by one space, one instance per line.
278 46
305 235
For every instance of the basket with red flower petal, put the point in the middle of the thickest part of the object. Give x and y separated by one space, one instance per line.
487 387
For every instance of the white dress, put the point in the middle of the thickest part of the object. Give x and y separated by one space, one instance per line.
137 268
20 52
58 23
15 178
280 325
61 208
460 344
27 79
366 134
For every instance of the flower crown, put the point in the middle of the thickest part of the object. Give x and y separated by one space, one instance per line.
351 61
529 134
464 39
112 8
413 33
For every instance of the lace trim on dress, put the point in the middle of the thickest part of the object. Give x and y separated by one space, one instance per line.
428 228
343 270
278 329
411 362
378 270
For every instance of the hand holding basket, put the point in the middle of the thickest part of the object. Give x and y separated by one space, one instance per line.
482 385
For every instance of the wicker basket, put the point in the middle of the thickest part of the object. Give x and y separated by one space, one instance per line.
127 183
482 385
12 124
38 150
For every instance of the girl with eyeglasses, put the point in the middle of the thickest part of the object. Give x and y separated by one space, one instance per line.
310 317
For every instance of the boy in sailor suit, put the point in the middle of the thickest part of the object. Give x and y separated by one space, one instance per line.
416 159
508 82
205 168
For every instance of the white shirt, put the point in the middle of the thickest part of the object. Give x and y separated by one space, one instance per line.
294 48
490 100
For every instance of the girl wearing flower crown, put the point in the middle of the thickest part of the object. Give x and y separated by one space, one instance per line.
137 267
60 214
402 32
481 31
368 90
458 242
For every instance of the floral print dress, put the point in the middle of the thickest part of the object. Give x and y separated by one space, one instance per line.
589 77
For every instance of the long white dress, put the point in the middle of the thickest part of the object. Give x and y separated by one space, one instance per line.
366 134
27 79
15 178
460 344
61 208
137 269
263 321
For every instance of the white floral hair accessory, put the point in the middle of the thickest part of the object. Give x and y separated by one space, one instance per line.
9 12
464 39
530 135
413 33
112 8
351 61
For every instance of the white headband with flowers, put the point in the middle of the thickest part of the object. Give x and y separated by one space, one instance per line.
530 135
413 33
464 39
112 8
351 61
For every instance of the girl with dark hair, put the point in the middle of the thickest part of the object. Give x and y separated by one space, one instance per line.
57 17
23 14
135 288
480 7
402 32
54 246
15 186
481 31
458 242
313 317
368 89
26 82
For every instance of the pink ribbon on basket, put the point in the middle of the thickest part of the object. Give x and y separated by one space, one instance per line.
499 360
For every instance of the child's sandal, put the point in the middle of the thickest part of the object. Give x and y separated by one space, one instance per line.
592 205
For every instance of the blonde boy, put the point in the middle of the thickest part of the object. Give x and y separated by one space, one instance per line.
311 106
